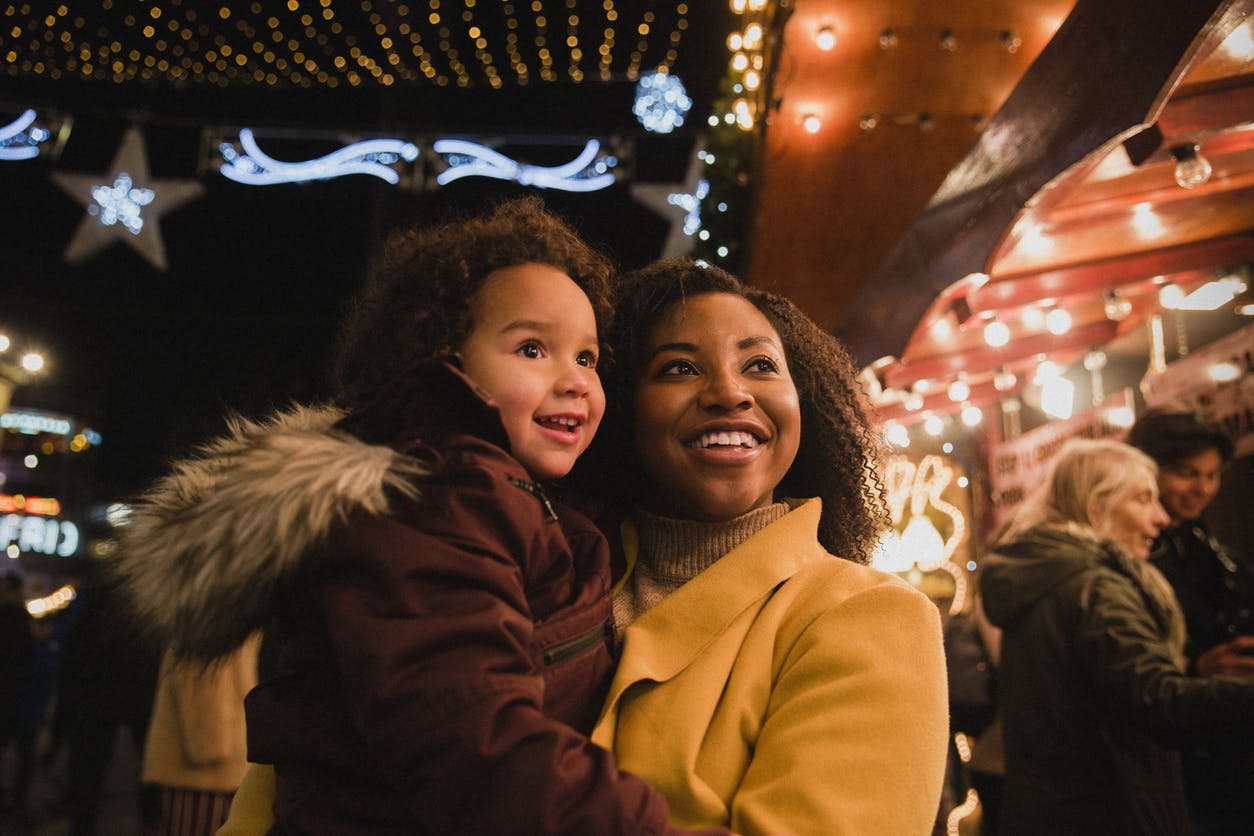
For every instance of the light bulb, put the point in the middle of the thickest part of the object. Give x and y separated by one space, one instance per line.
1192 169
996 333
1170 295
1058 321
811 123
959 390
825 38
972 415
1117 308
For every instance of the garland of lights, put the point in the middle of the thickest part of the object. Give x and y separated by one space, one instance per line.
19 143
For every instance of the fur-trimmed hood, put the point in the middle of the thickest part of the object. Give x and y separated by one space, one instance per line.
206 546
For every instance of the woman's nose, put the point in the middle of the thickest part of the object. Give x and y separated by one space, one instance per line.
725 390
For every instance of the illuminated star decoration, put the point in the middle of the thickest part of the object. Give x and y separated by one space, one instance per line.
19 140
680 203
124 204
373 157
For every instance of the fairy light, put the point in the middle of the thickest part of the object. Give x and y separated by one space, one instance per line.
298 44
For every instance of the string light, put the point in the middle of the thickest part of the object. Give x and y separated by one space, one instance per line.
1192 169
294 46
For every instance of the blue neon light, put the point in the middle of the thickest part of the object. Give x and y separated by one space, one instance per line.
585 173
18 143
373 157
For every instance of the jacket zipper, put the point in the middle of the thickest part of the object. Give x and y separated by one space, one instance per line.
570 648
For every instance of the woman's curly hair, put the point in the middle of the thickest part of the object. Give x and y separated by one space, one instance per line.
838 458
416 302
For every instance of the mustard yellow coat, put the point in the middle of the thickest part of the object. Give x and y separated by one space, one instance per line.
784 691
781 691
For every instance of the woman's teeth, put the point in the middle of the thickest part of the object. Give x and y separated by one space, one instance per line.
731 439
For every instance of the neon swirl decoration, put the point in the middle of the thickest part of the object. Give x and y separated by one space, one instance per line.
256 168
18 143
470 159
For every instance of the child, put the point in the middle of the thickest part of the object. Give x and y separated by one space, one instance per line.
441 625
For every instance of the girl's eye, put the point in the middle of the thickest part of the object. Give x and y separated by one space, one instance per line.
762 364
530 350
587 358
677 367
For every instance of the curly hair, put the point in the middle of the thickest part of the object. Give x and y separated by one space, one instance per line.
416 302
838 455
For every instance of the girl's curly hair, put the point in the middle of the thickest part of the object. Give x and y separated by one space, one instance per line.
838 456
415 304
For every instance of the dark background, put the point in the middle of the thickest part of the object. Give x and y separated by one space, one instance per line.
244 318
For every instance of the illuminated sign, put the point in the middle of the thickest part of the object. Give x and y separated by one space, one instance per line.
32 423
42 506
45 535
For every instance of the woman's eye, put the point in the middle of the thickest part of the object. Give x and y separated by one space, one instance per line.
762 364
587 358
531 350
677 367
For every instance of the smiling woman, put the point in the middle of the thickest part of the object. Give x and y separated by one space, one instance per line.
766 684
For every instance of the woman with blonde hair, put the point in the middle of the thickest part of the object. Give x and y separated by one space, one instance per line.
1093 685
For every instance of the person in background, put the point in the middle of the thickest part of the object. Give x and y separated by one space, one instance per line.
1093 686
17 656
105 682
195 753
1216 591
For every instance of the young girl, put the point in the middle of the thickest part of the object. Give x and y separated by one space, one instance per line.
441 625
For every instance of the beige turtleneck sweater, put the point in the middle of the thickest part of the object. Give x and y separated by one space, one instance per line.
673 552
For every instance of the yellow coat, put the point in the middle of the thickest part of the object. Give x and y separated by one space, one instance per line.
781 691
196 738
785 691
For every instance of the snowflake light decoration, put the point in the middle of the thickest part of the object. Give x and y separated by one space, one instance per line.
661 102
121 202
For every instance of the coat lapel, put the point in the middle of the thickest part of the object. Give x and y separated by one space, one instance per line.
661 643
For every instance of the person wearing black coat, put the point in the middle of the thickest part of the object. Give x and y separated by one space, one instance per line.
1093 685
1215 587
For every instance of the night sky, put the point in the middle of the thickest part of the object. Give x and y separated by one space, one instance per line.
245 316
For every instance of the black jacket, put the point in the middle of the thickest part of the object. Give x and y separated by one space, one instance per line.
1095 696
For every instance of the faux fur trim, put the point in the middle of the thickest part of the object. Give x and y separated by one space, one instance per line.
206 546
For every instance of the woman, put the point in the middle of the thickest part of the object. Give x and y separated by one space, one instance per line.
1092 686
765 685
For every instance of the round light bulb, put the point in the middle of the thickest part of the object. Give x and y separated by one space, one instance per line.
996 333
1192 169
1058 321
811 123
825 38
